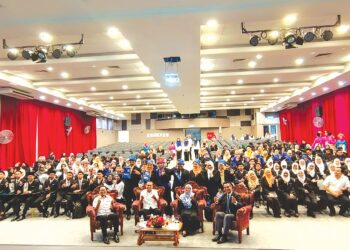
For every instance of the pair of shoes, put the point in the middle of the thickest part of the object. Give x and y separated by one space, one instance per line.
332 213
21 218
106 241
268 211
287 214
277 216
116 239
217 238
223 239
56 215
45 214
311 214
296 215
345 214
128 216
15 219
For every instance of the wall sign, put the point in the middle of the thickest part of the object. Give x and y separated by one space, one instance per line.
156 135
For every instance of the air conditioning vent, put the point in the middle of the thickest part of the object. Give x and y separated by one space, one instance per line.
42 71
114 67
238 60
323 54
16 93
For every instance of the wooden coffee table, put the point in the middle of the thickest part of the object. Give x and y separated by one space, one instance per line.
166 233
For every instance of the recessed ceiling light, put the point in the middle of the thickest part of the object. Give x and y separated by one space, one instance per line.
56 101
147 103
262 90
341 83
259 56
299 61
124 44
206 65
93 88
113 32
64 74
228 99
253 98
343 29
154 107
138 96
212 24
276 80
290 19
81 108
49 69
252 64
209 39
240 81
111 98
325 88
245 104
104 72
313 93
68 104
233 92
273 110
42 97
125 86
124 104
301 98
45 37
224 104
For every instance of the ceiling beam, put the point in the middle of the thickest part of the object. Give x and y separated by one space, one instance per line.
114 92
259 85
128 100
210 97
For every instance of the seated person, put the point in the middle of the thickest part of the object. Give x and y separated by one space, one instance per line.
149 199
188 211
103 205
336 186
287 194
269 192
229 203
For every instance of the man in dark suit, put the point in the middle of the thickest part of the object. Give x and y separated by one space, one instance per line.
30 194
49 194
4 191
64 189
162 179
80 188
240 173
181 175
131 177
97 182
229 203
17 189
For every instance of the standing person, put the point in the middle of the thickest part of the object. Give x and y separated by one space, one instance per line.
178 147
186 149
319 140
341 143
163 176
181 175
196 147
131 178
229 203
103 205
188 211
190 142
212 180
172 149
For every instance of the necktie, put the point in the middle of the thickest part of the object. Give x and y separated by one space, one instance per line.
79 184
228 204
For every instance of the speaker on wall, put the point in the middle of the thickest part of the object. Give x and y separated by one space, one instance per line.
67 121
318 111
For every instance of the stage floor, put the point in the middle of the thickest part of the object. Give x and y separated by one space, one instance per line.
266 232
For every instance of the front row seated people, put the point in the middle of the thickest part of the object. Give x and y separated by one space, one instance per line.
149 199
103 205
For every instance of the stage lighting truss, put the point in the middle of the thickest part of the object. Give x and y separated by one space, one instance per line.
292 36
39 53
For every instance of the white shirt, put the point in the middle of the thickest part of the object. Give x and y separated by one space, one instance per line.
335 184
105 206
148 201
120 189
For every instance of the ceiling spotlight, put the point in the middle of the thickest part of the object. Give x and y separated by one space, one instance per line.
124 104
325 88
240 81
252 64
233 92
299 61
125 86
113 32
341 83
70 51
42 97
49 69
343 29
104 72
12 54
111 98
68 104
259 56
290 39
64 75
27 54
313 93
56 101
327 35
309 37
56 53
290 19
262 91
45 37
138 96
275 80
93 88
254 40
39 56
301 98
81 108
299 40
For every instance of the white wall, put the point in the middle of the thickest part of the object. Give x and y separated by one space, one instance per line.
106 137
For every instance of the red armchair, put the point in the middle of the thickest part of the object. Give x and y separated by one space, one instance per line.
90 211
200 193
137 206
247 196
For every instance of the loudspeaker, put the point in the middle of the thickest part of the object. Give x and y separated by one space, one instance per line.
67 122
318 111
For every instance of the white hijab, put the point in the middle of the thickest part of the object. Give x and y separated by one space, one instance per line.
302 166
320 166
312 173
301 179
295 168
286 179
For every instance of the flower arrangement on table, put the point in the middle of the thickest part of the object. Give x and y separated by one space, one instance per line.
156 222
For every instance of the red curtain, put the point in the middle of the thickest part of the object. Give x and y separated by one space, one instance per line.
23 118
19 117
297 124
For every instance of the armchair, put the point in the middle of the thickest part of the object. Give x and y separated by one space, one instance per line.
246 195
90 211
137 206
200 193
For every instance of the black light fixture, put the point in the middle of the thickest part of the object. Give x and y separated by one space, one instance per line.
254 40
57 53
309 36
327 35
27 54
299 40
39 56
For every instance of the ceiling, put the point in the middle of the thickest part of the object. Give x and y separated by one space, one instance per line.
214 71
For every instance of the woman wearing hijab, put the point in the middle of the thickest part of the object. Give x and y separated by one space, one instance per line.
178 147
294 171
253 184
212 179
306 193
188 211
276 171
287 194
196 174
269 191
302 164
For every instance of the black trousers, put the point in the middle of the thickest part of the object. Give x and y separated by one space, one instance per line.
15 204
196 153
343 200
289 203
58 202
273 203
187 155
129 198
28 202
179 154
103 219
4 199
147 212
311 202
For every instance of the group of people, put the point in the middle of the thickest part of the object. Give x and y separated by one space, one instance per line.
281 175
